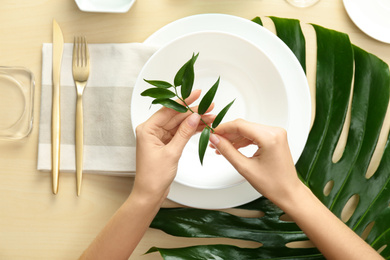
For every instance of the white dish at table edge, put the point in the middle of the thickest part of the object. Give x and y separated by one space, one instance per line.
292 75
102 6
371 16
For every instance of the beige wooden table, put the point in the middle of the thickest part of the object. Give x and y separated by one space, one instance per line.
34 223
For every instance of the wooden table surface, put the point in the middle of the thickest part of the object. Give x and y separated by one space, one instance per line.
34 223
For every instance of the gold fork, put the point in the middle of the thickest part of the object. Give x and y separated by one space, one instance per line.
80 68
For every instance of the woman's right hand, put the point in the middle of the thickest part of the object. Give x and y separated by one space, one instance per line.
270 170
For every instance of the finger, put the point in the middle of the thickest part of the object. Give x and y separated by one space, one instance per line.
164 114
174 122
178 119
215 149
256 133
241 142
237 126
211 107
191 98
224 147
237 142
207 120
185 131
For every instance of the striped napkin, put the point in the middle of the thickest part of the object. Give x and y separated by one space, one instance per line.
109 142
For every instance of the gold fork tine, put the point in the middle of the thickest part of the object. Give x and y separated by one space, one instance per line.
80 68
86 52
75 53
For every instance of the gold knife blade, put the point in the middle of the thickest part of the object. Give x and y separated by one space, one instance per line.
58 47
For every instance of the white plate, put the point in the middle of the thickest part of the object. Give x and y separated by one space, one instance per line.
292 75
246 75
371 16
105 6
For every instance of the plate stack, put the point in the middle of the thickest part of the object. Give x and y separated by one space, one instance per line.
256 68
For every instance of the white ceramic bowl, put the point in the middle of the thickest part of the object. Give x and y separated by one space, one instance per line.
247 75
105 6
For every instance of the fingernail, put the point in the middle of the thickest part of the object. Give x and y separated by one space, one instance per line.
214 139
193 120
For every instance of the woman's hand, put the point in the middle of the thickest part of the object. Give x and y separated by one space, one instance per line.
270 170
160 143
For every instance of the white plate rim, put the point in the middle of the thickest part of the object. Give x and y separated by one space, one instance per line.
282 57
364 23
139 102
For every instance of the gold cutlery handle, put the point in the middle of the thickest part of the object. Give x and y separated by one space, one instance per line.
80 70
56 138
79 139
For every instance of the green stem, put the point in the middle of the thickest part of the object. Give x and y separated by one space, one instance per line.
188 107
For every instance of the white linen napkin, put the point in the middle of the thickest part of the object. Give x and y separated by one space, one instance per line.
109 142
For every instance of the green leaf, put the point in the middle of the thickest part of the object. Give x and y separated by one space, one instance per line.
221 114
369 104
158 93
208 98
257 20
339 64
159 83
231 252
269 230
188 78
169 103
178 80
289 30
179 75
203 142
334 78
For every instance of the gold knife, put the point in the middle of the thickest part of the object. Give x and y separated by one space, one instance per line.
58 46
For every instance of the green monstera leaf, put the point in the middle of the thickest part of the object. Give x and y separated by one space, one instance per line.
342 70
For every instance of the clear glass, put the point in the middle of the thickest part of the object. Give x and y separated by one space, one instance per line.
302 3
16 102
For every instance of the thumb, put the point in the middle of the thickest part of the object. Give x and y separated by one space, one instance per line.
185 131
224 147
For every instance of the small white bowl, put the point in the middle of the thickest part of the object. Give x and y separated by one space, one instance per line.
105 6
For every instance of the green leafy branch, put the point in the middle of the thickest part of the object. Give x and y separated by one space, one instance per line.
184 79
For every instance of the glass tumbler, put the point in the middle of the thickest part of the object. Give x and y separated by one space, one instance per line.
16 102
